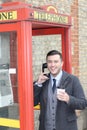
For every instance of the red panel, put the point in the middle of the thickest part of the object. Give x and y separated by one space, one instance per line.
49 31
8 27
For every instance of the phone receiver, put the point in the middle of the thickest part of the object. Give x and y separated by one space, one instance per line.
44 65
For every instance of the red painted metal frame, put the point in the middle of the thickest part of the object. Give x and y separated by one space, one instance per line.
66 49
25 75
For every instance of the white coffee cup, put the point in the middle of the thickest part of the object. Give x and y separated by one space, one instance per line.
59 90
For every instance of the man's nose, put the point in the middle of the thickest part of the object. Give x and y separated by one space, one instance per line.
52 64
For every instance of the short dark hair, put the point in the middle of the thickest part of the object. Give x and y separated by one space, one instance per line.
54 52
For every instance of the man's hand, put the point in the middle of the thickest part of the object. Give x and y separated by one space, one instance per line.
63 96
42 78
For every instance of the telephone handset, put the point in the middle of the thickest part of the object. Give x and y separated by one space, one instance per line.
44 67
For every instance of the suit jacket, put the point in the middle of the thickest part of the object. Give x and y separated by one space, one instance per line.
65 113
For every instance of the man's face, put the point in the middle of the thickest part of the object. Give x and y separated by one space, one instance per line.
54 64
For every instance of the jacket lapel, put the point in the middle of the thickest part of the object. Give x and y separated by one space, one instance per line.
65 80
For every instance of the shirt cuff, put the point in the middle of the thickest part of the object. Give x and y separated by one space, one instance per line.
39 85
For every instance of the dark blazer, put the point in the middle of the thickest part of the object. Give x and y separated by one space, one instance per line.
65 114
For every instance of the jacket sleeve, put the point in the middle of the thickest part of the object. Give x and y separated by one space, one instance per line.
77 99
37 91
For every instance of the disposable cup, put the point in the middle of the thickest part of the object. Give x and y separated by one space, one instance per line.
59 90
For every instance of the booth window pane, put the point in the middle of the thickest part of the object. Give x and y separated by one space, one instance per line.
9 107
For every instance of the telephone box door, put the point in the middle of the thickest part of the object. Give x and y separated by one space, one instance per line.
15 76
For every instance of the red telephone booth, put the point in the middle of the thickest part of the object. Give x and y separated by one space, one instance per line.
18 23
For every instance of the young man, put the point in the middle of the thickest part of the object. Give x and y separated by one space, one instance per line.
59 95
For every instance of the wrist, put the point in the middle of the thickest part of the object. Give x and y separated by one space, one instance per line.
38 84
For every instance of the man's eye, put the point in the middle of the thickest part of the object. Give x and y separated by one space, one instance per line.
56 62
49 61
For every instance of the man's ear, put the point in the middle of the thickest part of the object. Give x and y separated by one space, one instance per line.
62 63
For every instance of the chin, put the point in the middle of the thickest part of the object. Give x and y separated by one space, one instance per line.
54 74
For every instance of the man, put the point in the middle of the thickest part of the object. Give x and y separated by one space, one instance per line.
58 105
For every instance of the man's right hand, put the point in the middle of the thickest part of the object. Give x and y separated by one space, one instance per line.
42 78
